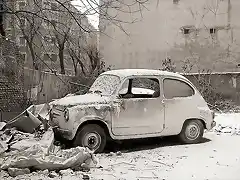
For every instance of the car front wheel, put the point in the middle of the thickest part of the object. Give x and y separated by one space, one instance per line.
192 132
91 136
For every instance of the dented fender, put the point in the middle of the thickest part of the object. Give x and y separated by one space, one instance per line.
86 120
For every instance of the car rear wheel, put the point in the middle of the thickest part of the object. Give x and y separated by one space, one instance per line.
91 136
192 132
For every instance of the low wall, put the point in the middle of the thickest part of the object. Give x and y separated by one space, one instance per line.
226 84
41 87
51 86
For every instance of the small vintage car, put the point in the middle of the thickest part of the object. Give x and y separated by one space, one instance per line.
129 104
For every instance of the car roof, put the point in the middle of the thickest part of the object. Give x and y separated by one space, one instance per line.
144 72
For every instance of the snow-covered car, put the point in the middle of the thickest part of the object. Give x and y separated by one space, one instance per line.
129 104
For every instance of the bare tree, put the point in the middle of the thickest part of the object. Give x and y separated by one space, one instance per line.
64 20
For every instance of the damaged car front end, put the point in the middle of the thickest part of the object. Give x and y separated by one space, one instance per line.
70 115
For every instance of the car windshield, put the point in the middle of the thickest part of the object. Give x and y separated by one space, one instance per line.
105 85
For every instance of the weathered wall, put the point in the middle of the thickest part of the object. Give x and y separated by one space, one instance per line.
226 85
11 78
42 87
156 34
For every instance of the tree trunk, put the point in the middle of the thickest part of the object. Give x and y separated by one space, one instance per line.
61 58
74 66
35 65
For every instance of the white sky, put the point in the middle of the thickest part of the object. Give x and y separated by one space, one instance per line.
84 6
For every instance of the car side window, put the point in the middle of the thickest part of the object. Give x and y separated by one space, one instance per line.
140 88
176 88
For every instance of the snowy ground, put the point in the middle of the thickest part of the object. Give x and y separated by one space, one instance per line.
216 158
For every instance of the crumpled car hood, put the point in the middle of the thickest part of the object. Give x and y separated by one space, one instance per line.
85 99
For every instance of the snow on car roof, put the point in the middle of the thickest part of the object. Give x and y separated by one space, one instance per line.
145 72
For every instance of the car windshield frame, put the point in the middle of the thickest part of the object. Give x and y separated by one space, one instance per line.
101 87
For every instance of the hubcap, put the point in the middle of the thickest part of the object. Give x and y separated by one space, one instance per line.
92 140
192 131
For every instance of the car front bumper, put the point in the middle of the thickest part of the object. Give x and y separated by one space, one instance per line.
61 134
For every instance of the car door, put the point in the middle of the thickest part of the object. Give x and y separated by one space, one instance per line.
179 104
140 109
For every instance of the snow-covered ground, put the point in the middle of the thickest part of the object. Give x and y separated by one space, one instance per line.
217 158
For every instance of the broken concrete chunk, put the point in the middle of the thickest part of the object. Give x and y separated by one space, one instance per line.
26 121
4 174
23 145
66 172
226 130
3 147
16 171
45 172
86 177
2 125
53 174
119 153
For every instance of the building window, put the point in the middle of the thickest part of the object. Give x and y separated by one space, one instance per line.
188 29
212 30
50 39
22 41
46 57
22 22
54 57
23 56
176 1
53 6
50 57
21 5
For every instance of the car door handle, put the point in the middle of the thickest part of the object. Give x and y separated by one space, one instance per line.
163 101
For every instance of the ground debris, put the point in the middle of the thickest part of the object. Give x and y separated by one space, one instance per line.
16 171
52 174
66 172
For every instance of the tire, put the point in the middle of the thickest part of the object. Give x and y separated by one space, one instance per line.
91 136
192 132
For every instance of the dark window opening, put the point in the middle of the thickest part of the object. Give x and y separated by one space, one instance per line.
53 6
21 5
175 88
176 1
140 88
22 41
186 31
54 57
23 56
212 30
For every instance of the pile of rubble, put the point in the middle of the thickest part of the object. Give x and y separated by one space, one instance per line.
27 145
228 123
228 129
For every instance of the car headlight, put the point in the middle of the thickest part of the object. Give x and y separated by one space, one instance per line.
66 114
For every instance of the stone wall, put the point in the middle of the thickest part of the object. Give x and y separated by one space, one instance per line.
11 77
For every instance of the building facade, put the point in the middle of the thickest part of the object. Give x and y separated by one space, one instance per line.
46 32
194 35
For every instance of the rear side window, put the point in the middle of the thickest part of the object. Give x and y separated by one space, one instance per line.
176 88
